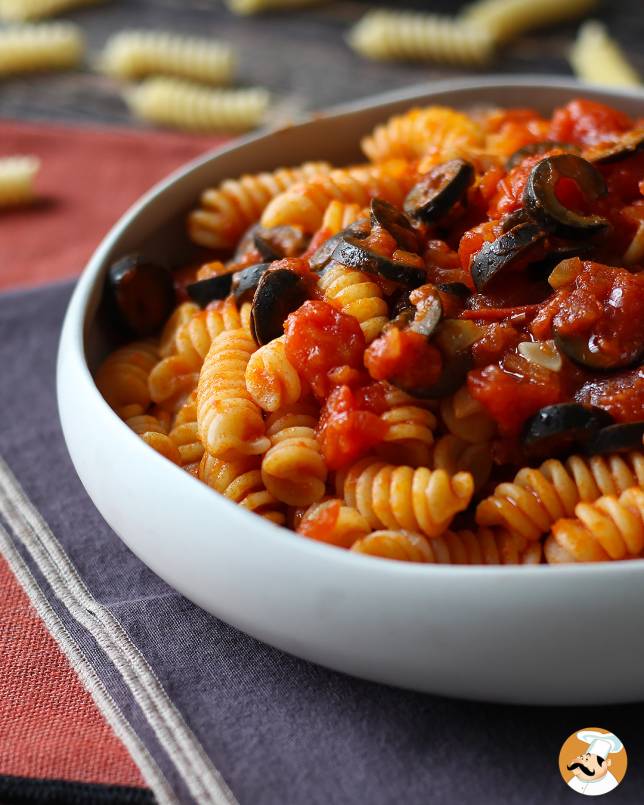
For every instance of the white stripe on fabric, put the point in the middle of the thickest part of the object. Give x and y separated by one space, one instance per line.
152 775
203 780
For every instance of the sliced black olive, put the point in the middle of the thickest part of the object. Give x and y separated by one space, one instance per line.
515 218
458 289
439 190
395 222
619 438
245 282
142 293
502 253
280 291
628 144
277 242
454 374
562 428
205 291
536 148
319 259
583 351
541 202
351 253
429 313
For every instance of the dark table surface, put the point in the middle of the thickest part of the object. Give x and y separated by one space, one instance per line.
301 56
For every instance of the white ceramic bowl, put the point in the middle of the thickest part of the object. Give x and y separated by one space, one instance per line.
515 634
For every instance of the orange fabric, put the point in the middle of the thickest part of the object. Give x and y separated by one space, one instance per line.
89 177
49 724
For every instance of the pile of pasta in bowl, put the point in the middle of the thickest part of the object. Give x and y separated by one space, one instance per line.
434 356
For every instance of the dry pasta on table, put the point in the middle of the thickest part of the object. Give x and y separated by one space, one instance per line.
434 357
36 48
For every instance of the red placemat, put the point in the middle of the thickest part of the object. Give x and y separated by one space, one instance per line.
89 177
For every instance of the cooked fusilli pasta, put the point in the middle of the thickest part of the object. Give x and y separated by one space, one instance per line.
182 105
410 435
185 432
338 216
136 54
182 314
304 204
32 48
23 10
123 376
597 58
453 455
271 380
293 469
395 497
226 211
609 528
17 176
230 422
390 35
486 547
241 481
333 522
539 497
357 295
505 19
436 130
466 418
154 434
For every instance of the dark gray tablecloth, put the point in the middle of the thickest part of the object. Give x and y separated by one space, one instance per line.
278 729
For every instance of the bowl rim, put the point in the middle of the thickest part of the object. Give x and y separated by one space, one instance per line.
77 322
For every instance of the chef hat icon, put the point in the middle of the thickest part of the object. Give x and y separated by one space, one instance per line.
601 744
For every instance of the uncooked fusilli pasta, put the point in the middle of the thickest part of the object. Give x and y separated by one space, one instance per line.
609 528
136 54
226 211
17 175
32 48
504 19
597 58
389 35
180 104
23 10
257 6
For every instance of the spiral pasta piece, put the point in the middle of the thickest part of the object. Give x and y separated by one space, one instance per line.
293 469
230 423
539 497
272 381
410 435
436 130
17 175
398 497
597 58
339 216
154 434
185 432
610 528
24 10
245 7
333 522
406 35
465 417
486 547
122 378
227 210
135 54
31 48
241 482
183 105
183 313
304 204
453 455
505 19
357 295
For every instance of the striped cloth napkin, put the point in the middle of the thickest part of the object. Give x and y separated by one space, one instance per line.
116 689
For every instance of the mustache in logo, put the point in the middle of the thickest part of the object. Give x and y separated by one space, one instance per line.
581 766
